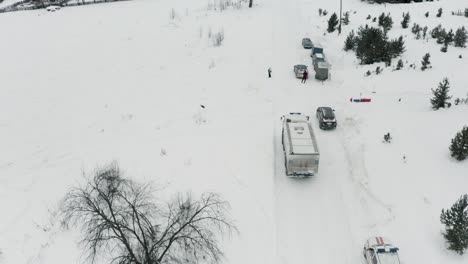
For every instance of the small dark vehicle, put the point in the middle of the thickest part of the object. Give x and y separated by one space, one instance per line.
307 43
326 118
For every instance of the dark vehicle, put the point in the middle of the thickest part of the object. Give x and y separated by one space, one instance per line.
307 43
299 70
326 118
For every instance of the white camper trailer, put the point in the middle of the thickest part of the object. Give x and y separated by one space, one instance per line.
299 145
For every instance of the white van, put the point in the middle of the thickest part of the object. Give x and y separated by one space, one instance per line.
299 145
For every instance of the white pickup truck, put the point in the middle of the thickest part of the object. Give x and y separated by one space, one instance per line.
299 145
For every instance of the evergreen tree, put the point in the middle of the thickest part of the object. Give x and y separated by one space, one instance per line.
424 32
466 12
435 32
460 37
439 12
427 14
406 19
455 220
350 42
372 45
425 63
399 65
441 95
459 146
332 23
396 47
441 37
416 28
449 37
385 21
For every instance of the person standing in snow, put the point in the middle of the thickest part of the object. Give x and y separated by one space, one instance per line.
269 72
304 76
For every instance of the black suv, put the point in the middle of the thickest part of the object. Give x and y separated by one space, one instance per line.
326 117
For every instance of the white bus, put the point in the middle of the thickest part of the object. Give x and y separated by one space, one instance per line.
299 145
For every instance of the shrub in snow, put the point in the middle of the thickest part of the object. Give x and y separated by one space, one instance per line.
444 48
406 19
460 37
350 42
385 21
378 70
399 65
368 17
346 18
387 138
218 38
424 32
416 28
427 14
455 220
332 23
374 19
325 12
459 146
439 12
441 97
320 11
426 63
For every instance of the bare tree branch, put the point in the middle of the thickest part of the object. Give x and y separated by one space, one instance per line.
120 218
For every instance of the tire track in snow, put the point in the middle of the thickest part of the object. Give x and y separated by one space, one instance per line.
354 151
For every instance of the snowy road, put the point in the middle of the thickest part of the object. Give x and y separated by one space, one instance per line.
324 218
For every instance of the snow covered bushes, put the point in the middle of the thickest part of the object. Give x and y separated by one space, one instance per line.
459 146
372 45
455 220
441 97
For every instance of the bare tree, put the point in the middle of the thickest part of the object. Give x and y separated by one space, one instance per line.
120 217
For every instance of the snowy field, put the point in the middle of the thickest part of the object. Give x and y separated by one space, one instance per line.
123 81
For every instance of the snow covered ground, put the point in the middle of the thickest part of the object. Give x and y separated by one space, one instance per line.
126 84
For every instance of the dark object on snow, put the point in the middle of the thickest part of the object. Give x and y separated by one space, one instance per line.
326 118
305 74
202 106
455 220
307 43
269 72
459 146
441 97
387 138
